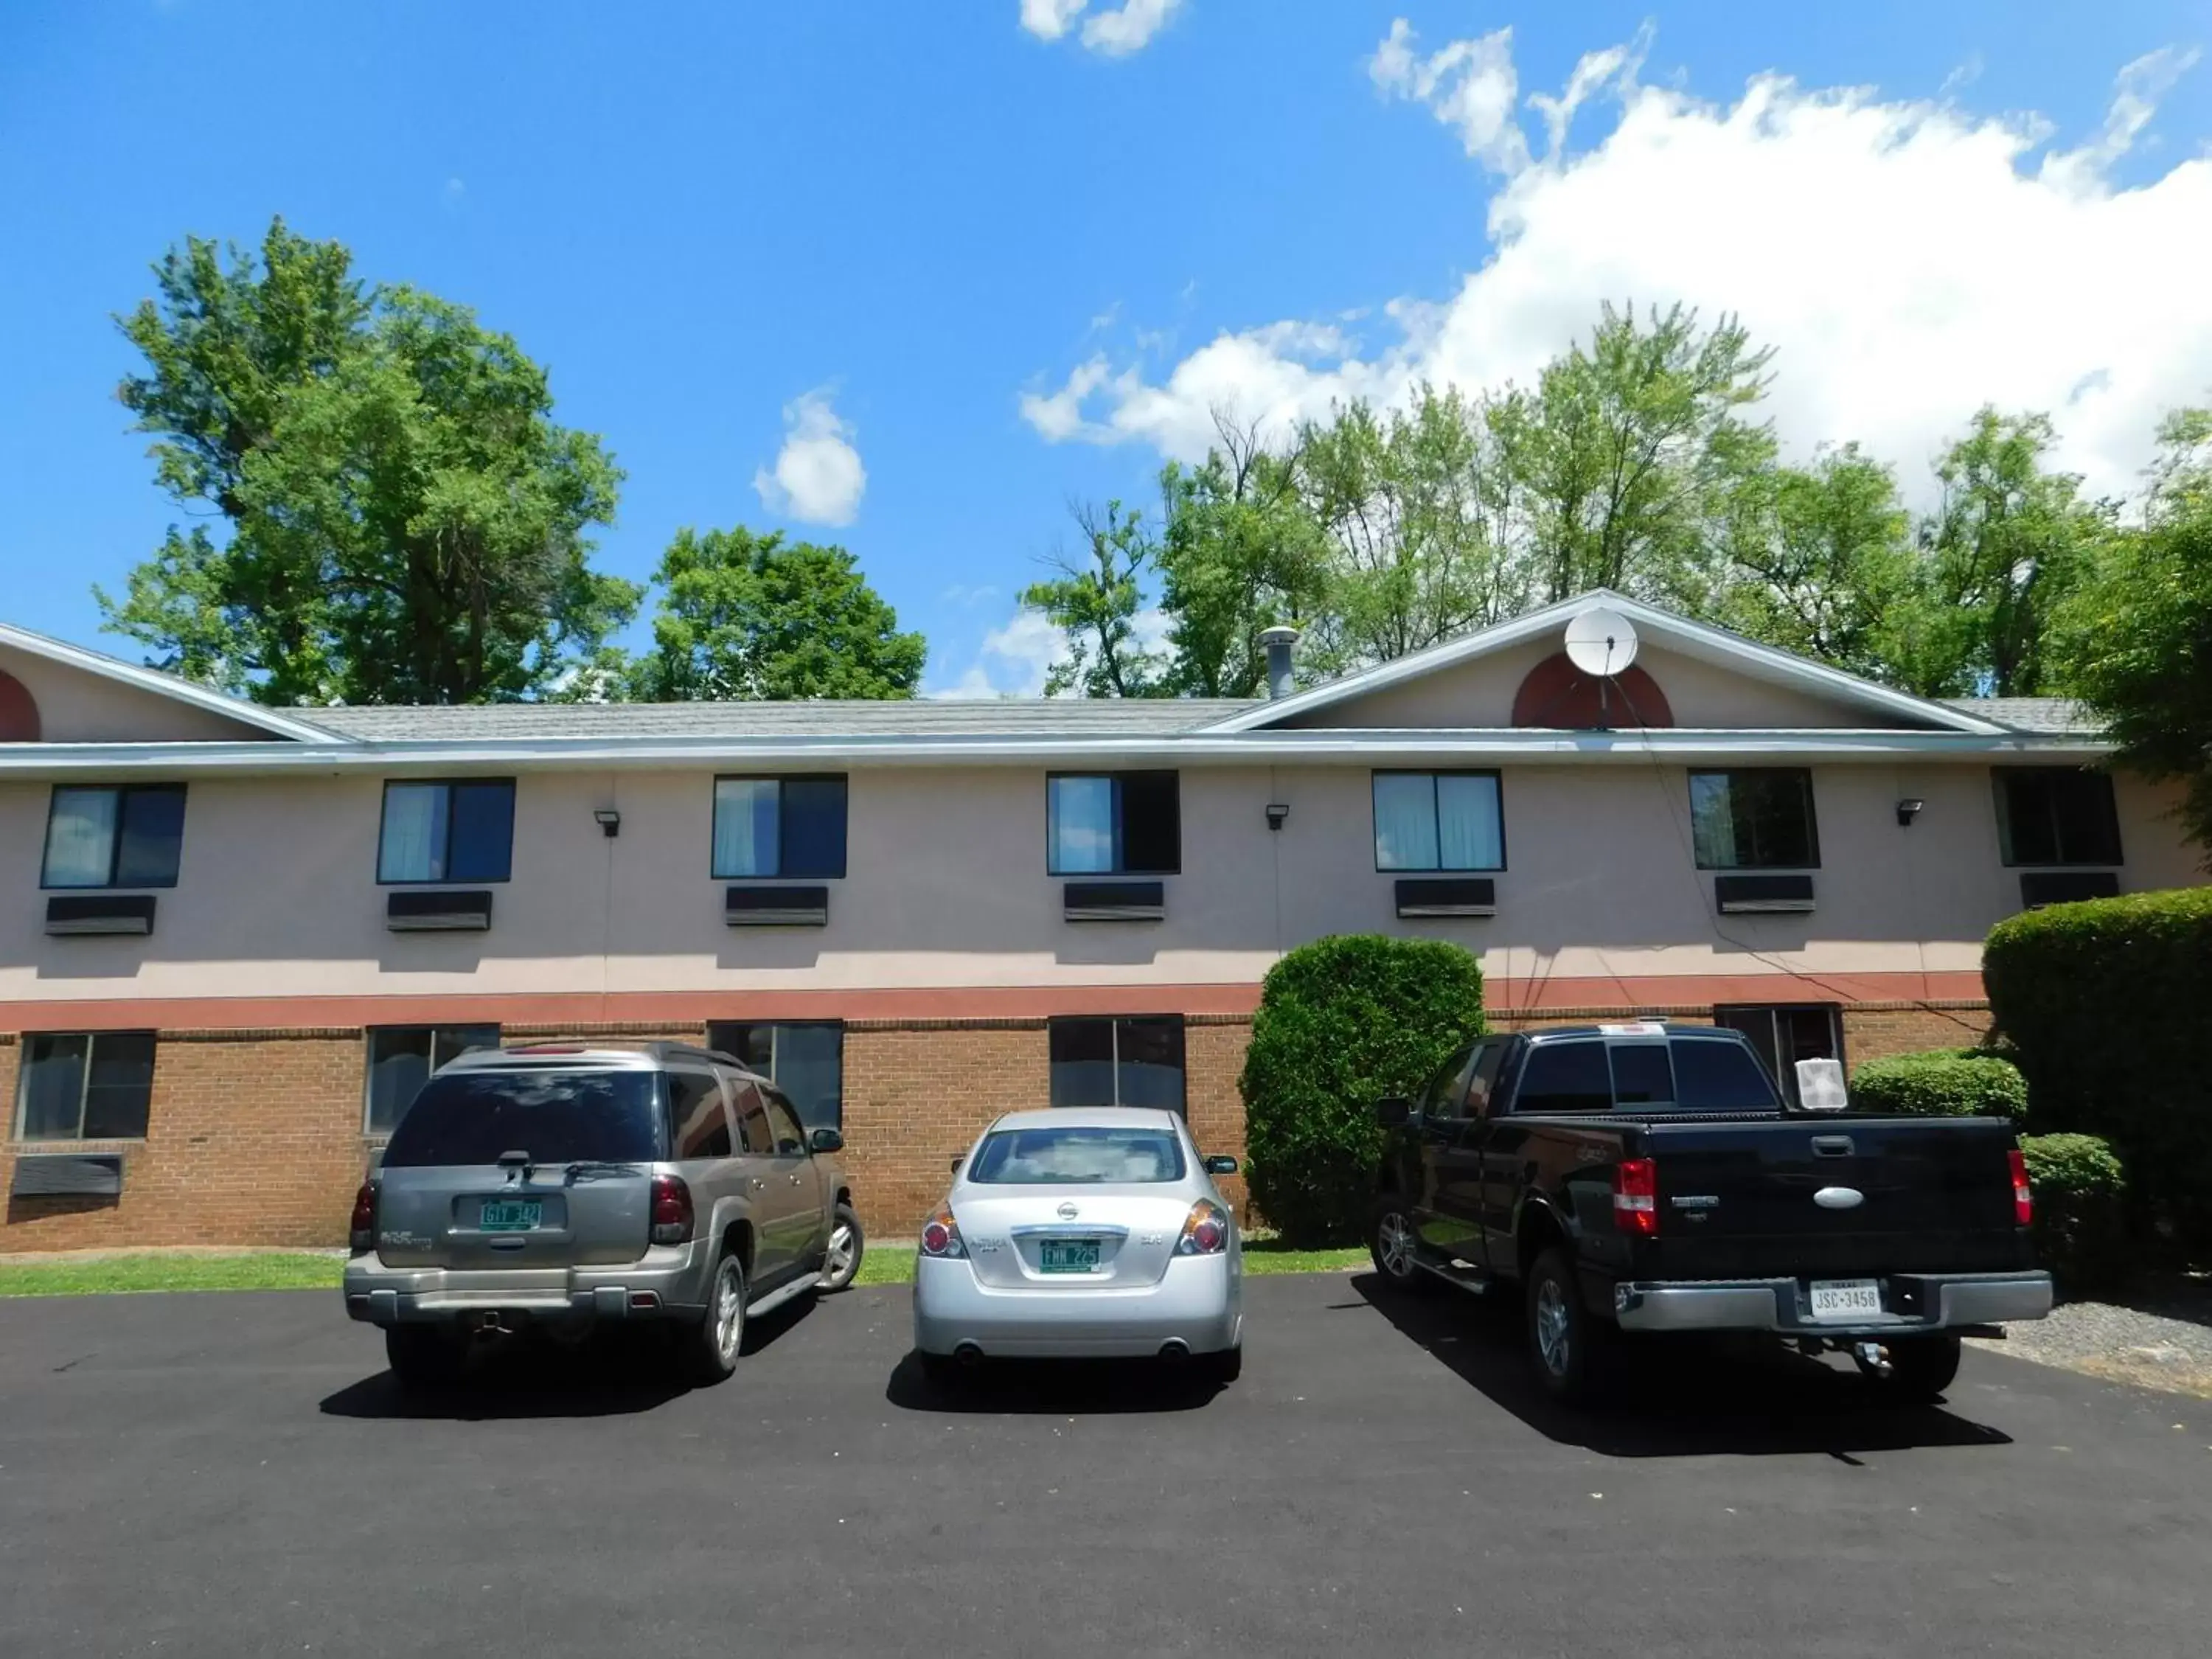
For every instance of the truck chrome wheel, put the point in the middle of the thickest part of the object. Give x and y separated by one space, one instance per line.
837 1267
1393 1245
729 1312
1553 1327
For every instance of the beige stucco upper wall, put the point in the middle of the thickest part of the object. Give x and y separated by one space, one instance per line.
77 706
1701 694
947 887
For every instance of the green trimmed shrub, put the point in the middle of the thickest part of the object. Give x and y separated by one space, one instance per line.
2107 1004
2081 1209
1941 1083
1344 1022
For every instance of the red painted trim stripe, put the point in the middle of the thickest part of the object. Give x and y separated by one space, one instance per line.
684 1008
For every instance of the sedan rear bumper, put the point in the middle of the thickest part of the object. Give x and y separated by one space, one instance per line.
1196 1303
667 1281
1912 1301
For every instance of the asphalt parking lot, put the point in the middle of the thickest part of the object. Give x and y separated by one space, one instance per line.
232 1474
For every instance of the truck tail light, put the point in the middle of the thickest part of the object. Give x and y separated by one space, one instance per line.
671 1210
940 1234
1636 1197
1205 1229
2023 1196
361 1233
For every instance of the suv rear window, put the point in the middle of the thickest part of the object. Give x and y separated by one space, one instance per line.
556 1116
1052 1156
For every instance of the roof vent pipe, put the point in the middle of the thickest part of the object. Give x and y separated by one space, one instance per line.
1279 641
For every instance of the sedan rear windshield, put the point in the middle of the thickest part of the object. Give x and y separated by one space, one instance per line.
556 1116
1055 1157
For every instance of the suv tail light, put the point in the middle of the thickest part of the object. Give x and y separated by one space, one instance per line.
1636 1197
940 1234
2023 1196
1205 1229
362 1234
671 1210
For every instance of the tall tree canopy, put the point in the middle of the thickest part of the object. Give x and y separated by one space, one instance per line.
1095 599
743 616
406 523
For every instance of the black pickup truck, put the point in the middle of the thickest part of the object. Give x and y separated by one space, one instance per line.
1648 1178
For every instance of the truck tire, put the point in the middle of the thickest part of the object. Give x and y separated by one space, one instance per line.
841 1260
1921 1368
1570 1348
709 1349
1395 1247
423 1356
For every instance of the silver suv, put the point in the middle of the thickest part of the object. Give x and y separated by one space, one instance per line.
562 1187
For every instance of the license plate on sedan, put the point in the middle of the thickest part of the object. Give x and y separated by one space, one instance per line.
1068 1255
508 1215
1846 1298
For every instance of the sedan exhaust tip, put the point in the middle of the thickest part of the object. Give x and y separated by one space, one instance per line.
968 1355
1175 1351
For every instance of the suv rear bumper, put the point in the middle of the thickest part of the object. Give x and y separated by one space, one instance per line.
1913 1301
667 1281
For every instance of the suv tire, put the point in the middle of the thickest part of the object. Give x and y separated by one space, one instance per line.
423 1356
841 1264
1395 1247
710 1348
1570 1348
1921 1368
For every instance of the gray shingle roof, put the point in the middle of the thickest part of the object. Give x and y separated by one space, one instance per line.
2058 715
1041 717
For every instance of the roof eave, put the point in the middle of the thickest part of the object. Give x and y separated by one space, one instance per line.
171 686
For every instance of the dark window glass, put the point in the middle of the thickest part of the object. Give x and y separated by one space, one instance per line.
1055 1157
129 836
1565 1077
1711 1075
1640 1075
771 828
783 1125
1113 824
753 1135
446 832
814 827
1785 1035
805 1059
401 1059
1129 1062
1753 820
1484 1083
556 1116
2056 815
698 1128
85 1086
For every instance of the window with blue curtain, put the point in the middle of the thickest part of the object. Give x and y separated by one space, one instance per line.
767 828
1124 824
1438 821
447 832
131 836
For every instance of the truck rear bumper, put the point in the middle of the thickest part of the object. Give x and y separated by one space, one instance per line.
668 1282
1912 1301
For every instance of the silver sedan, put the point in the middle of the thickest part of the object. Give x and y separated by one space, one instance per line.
1093 1233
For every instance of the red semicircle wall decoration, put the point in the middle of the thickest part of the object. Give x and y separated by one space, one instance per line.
19 715
1556 693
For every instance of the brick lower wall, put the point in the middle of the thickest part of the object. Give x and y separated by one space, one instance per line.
254 1138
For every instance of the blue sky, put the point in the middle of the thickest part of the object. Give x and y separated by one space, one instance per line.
1006 271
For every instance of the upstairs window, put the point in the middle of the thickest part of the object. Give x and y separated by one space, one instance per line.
95 1085
447 833
2055 815
766 828
1438 821
1113 823
126 836
1759 819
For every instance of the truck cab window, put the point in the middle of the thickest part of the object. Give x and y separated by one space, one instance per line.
1640 1075
1565 1078
1484 1081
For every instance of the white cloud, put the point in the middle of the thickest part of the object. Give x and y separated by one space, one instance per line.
1115 32
818 477
1910 260
1013 662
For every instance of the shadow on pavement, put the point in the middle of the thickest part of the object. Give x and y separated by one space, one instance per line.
1674 1399
1068 1387
610 1374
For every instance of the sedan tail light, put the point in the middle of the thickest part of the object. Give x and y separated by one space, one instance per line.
362 1234
1636 1197
2023 1195
1205 1229
940 1234
671 1210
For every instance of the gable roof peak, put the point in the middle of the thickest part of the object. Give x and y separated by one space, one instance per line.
162 683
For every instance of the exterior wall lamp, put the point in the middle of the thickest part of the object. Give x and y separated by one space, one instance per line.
1908 810
610 822
1278 814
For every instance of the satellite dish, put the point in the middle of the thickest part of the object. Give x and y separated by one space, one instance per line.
1601 642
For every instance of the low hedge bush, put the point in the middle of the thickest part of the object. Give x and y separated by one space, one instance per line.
1941 1083
2106 1005
2081 1209
1342 1022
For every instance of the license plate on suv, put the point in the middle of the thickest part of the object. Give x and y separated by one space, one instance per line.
1843 1299
1068 1255
509 1215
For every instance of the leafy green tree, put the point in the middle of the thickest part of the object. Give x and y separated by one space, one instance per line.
1095 602
2135 641
2007 545
745 617
406 523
